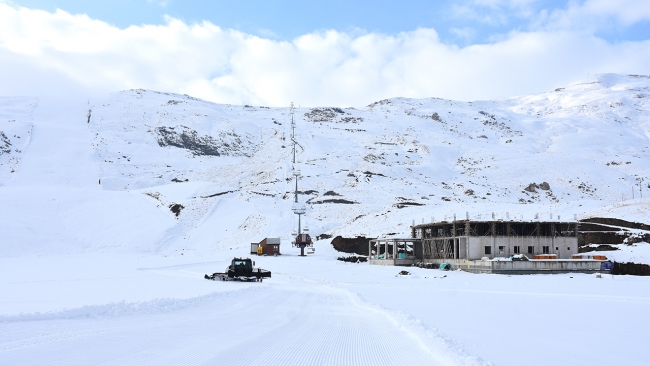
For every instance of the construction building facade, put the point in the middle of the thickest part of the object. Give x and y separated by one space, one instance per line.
497 246
474 240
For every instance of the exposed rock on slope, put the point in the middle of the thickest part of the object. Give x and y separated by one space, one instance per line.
229 143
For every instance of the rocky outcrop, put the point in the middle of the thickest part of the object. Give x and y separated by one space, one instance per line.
353 259
600 237
544 186
229 143
358 245
596 230
636 269
617 222
323 114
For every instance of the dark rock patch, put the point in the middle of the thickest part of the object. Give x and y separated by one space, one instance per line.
5 144
599 237
405 204
176 208
311 191
336 200
371 174
358 245
586 226
635 269
599 248
617 222
229 143
353 259
263 194
331 193
217 194
532 188
323 114
595 231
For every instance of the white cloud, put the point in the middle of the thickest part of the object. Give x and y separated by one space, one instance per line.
465 33
494 12
593 15
43 52
162 3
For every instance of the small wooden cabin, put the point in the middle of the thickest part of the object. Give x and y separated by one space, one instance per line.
270 246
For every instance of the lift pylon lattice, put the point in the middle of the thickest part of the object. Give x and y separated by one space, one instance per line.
302 238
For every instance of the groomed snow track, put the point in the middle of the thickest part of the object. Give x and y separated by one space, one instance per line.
305 325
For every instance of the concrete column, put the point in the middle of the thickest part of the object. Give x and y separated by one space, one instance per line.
453 242
552 251
467 232
539 228
509 245
386 250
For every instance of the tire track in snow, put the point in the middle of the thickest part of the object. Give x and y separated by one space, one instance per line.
274 325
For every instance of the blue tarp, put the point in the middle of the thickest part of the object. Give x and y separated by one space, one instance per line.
607 266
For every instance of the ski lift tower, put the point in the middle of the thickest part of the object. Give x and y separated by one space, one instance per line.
302 239
293 133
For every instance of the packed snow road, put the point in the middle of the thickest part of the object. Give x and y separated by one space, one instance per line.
258 325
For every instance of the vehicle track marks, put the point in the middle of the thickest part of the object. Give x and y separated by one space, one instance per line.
293 325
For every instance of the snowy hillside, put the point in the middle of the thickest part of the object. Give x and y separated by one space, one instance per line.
15 133
366 171
113 210
373 170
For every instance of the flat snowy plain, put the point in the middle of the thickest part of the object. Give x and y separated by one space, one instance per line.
153 309
96 270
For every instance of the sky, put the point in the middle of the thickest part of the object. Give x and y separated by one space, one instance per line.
344 53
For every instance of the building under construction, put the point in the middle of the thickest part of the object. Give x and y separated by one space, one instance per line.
466 239
495 246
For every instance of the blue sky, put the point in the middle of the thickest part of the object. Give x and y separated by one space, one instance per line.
345 53
457 22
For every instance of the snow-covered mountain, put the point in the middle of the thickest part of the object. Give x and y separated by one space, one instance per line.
113 210
194 174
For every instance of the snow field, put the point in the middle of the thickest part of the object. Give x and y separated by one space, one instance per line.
157 309
286 320
96 269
